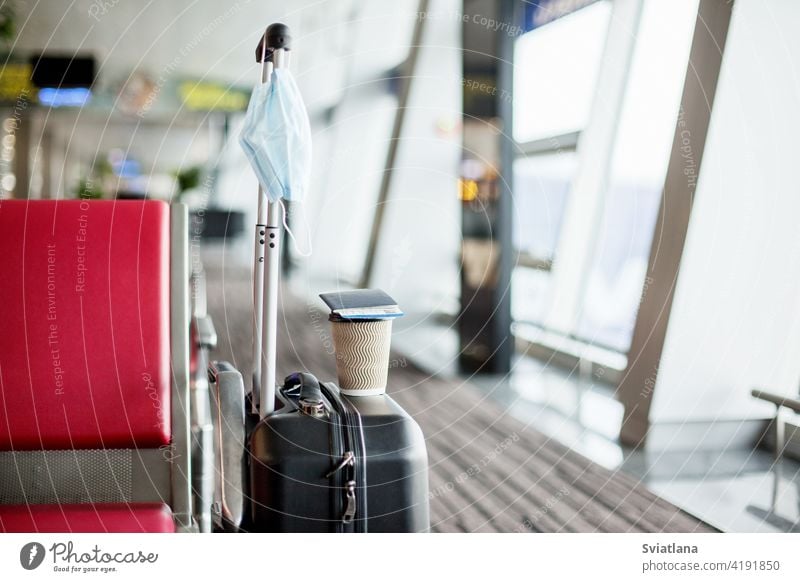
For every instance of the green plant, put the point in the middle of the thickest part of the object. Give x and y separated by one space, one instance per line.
8 23
188 179
103 168
88 190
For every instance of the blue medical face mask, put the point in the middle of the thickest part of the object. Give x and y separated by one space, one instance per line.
277 138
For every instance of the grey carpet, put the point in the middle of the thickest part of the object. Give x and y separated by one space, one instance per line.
489 472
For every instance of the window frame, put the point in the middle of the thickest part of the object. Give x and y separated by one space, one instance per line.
591 145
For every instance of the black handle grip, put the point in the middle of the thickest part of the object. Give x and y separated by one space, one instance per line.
277 36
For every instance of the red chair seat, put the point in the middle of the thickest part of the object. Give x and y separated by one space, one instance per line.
99 518
84 348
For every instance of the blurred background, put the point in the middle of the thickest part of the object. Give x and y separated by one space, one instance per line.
523 177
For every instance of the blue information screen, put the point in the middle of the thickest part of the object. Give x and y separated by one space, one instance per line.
543 11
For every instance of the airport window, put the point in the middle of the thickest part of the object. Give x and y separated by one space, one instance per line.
545 180
556 69
555 72
598 292
617 275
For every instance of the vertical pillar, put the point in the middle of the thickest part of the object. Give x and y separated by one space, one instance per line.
485 340
637 389
501 320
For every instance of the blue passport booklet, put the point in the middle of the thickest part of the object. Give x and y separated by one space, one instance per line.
361 304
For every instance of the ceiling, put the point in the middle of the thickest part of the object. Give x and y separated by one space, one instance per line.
212 40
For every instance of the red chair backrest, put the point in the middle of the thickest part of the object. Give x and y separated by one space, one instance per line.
84 324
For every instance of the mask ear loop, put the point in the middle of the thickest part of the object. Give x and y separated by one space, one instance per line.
291 234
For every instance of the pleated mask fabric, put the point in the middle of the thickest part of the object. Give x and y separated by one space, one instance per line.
276 137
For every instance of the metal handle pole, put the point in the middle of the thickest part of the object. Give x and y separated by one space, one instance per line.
258 277
272 53
272 260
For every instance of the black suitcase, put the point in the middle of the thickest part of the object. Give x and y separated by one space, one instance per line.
325 462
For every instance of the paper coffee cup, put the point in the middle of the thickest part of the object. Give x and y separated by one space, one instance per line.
362 355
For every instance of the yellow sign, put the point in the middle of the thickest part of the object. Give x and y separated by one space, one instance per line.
15 82
212 97
468 189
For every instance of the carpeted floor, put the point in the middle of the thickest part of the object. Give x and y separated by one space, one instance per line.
489 472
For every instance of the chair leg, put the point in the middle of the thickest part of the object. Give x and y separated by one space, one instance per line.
202 445
780 432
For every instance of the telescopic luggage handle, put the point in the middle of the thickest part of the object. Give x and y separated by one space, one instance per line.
272 53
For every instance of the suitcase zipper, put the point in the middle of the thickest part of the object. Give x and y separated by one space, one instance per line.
355 434
350 509
338 451
347 459
352 463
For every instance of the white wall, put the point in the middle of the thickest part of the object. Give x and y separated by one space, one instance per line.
347 175
735 321
417 258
